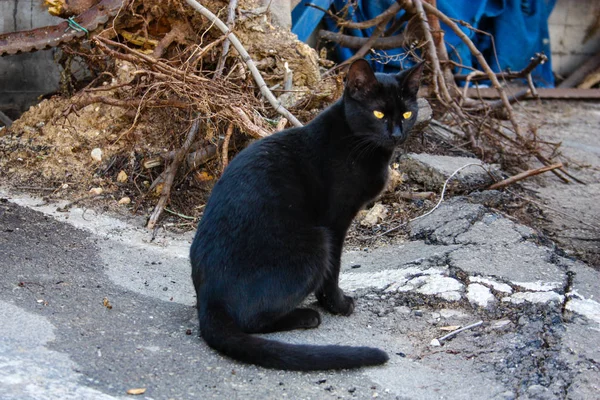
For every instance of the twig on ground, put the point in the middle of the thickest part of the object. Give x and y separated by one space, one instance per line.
225 151
414 195
264 89
201 156
179 215
251 128
170 175
437 342
523 175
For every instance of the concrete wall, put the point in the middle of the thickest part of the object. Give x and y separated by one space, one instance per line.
24 77
568 24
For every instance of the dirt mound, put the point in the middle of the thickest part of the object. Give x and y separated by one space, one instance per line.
152 74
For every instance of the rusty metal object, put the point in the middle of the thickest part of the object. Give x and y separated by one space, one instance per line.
52 36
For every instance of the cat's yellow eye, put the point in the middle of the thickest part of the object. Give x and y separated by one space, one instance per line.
378 114
407 115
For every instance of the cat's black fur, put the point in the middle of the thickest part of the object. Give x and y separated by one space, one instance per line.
274 226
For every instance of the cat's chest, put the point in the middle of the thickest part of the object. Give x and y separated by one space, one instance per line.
360 183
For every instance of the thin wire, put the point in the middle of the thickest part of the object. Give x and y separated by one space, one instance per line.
438 203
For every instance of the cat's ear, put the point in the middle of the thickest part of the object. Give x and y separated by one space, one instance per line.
410 79
360 80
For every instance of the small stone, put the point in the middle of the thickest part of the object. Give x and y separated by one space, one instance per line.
65 186
479 295
97 154
96 191
125 200
501 323
538 392
122 177
435 343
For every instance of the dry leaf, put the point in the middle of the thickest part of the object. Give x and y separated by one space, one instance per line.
158 188
375 215
450 328
106 303
136 391
204 176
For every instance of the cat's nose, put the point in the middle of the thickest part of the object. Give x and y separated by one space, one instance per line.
397 132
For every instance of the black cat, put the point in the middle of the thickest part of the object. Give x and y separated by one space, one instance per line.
274 226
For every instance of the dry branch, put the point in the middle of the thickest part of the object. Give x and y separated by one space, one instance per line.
523 175
170 175
85 100
226 43
369 43
177 34
353 42
225 151
386 15
201 156
251 128
439 83
481 59
538 59
264 89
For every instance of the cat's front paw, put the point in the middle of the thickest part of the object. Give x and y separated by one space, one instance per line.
337 304
347 305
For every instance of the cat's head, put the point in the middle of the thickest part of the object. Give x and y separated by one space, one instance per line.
381 107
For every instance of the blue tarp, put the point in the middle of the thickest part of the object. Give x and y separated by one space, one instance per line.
519 29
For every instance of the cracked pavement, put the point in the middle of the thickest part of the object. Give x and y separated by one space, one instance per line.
463 263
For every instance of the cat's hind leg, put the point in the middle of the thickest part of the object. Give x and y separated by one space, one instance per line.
299 318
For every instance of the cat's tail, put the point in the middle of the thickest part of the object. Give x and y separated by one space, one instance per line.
220 332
